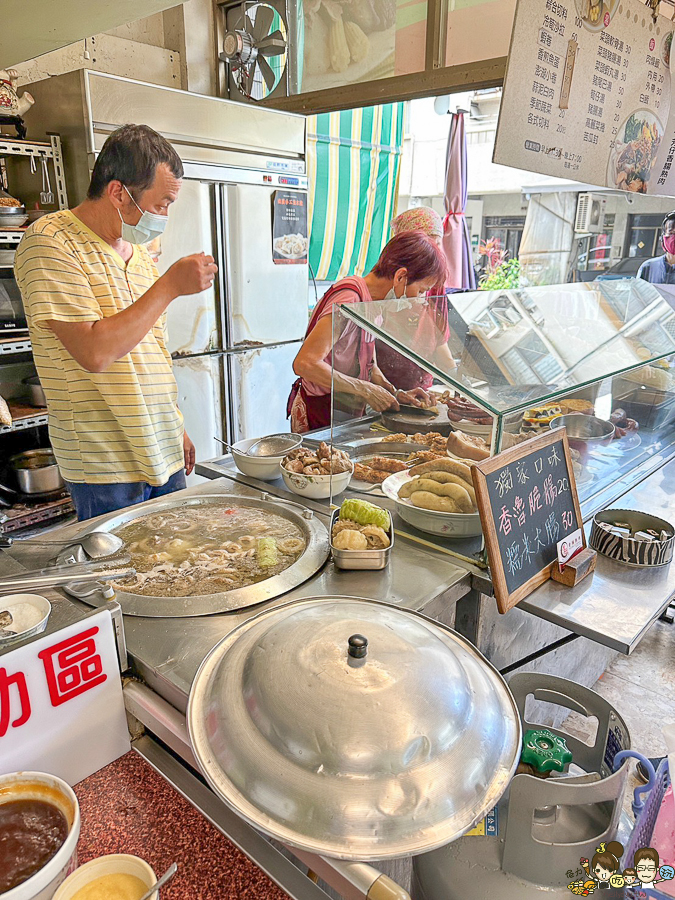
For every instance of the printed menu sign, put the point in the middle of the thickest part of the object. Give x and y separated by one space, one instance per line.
61 703
587 95
289 227
527 500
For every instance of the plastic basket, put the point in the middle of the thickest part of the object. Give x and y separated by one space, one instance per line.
643 829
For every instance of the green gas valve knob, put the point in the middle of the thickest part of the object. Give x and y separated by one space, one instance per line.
543 753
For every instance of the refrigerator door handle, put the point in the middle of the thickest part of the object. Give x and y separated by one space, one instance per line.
224 252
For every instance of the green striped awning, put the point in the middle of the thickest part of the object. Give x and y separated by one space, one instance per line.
353 161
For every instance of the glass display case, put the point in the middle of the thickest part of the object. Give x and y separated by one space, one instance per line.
502 366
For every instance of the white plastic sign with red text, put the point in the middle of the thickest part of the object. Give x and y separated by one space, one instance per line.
61 704
569 547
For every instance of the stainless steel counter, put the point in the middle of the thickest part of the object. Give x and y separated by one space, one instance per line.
615 607
349 435
617 604
166 653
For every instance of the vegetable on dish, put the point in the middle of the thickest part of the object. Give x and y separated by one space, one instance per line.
364 513
361 526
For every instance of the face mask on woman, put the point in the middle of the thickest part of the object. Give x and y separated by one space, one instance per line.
392 295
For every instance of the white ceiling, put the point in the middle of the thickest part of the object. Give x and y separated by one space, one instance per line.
29 28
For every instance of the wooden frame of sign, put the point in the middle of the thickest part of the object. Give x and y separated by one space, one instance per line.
552 501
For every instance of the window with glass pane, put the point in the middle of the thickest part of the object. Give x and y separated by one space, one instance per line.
347 43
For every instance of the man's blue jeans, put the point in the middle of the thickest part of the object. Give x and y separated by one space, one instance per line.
93 500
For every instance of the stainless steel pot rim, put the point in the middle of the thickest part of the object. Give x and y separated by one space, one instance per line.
316 553
42 453
377 822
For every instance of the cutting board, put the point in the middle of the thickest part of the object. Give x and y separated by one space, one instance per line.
414 423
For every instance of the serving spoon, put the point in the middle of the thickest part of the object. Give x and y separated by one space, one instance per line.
166 877
96 544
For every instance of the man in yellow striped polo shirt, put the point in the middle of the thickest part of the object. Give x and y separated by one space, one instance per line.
96 310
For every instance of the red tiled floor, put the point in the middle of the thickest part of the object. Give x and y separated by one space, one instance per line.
128 808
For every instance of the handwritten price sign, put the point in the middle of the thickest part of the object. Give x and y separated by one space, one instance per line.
528 504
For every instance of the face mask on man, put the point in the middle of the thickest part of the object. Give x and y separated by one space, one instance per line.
669 243
149 227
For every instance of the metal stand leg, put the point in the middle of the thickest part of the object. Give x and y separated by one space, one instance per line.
668 614
467 613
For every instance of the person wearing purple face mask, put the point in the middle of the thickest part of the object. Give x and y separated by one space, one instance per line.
661 269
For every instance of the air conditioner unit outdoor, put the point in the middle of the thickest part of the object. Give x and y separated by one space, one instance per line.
590 218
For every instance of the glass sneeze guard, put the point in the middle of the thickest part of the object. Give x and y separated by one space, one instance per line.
602 353
523 347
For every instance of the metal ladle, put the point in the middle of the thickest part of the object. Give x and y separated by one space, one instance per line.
96 544
274 445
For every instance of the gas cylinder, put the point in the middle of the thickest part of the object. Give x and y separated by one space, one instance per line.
563 802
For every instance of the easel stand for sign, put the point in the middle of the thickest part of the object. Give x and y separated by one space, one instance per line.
528 504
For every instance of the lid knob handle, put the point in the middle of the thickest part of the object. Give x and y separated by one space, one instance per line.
358 646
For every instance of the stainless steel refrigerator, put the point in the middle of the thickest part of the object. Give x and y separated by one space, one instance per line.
233 346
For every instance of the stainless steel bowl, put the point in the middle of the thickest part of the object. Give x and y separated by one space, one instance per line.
360 559
36 471
585 433
12 216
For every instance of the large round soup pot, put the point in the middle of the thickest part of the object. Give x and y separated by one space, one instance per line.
352 728
50 789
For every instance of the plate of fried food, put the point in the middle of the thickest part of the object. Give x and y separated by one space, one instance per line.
436 497
433 441
374 461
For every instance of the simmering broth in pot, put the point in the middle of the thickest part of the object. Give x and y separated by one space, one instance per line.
207 550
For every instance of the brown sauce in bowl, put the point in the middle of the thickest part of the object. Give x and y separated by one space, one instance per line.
31 833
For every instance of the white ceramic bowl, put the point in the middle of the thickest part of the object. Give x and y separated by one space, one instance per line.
317 487
265 468
9 601
454 525
41 786
115 864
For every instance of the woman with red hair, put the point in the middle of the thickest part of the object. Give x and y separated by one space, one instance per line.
432 329
409 265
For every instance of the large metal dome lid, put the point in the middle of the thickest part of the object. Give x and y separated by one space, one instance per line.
353 728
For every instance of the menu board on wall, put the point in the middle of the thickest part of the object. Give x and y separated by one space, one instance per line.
588 95
528 503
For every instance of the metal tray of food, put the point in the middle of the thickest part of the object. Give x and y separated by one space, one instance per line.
316 552
360 559
651 409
